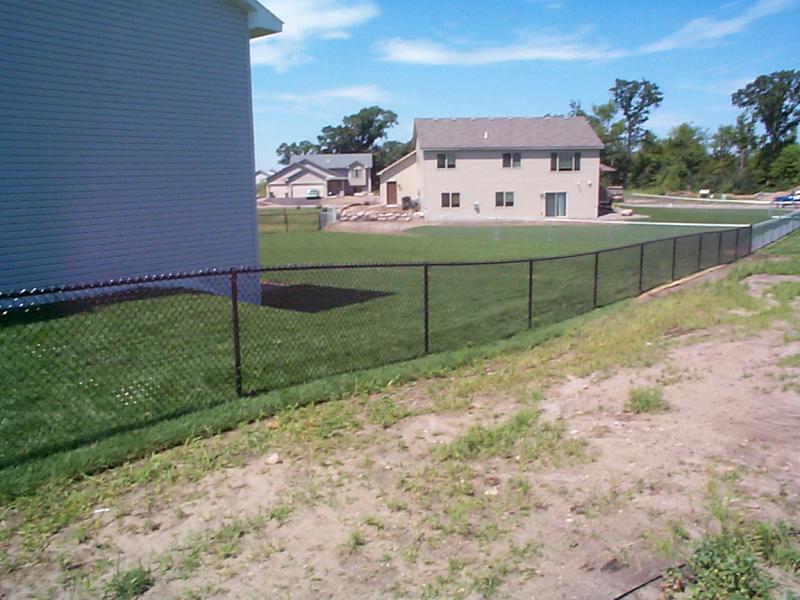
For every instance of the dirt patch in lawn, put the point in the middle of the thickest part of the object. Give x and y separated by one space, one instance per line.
478 487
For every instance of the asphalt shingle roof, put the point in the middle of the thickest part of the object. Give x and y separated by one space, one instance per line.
334 161
506 133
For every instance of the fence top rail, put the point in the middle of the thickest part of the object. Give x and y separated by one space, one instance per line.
241 270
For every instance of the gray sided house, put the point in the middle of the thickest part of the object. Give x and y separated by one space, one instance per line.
499 168
326 174
127 138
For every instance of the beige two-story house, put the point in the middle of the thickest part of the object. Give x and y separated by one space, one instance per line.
499 168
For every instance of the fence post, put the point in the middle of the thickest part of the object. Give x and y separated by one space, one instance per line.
596 272
700 253
641 267
750 245
719 249
674 255
426 307
736 256
286 220
530 294
237 351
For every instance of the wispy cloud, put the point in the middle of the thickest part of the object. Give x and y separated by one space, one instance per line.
366 94
707 31
305 22
537 47
704 31
548 4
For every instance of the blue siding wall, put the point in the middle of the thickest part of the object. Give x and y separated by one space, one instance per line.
126 143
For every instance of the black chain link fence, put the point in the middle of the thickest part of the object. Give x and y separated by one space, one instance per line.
82 363
289 220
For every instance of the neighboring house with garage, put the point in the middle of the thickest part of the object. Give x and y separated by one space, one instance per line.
499 168
127 145
325 174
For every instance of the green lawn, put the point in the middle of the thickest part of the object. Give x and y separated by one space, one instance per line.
287 220
433 243
76 379
732 216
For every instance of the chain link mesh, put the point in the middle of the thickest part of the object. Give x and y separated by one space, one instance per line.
81 365
288 220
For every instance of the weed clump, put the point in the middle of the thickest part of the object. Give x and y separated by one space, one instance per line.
643 400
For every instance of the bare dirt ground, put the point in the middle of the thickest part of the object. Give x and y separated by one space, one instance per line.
424 491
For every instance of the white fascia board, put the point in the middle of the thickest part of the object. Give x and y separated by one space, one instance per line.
260 21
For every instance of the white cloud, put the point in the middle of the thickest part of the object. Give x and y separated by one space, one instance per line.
709 30
534 47
305 21
366 94
703 31
548 4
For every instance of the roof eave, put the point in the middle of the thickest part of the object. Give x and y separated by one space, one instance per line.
398 161
260 21
499 148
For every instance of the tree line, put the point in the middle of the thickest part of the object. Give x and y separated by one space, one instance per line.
758 151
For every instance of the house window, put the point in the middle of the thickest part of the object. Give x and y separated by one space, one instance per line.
565 161
555 204
356 173
504 198
512 160
451 199
446 160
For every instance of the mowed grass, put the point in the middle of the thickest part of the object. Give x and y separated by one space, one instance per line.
443 243
80 378
732 216
287 220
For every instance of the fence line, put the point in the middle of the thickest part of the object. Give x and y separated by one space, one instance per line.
115 356
766 232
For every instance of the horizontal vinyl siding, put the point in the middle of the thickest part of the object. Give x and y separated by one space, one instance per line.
125 140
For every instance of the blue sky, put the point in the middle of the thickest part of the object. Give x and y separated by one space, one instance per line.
474 58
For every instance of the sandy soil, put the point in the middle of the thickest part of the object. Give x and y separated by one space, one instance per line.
588 528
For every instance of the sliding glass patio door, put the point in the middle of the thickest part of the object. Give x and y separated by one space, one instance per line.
555 204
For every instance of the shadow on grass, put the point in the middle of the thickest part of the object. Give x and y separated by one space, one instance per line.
35 313
309 298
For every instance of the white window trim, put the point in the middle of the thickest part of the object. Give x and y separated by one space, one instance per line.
450 200
511 161
572 155
448 164
505 199
544 207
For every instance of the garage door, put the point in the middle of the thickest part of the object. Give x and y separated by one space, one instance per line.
301 189
278 190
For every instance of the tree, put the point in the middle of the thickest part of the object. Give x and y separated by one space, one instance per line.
634 99
724 158
575 109
286 151
732 148
611 130
607 129
774 100
648 161
358 132
684 157
785 169
387 153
